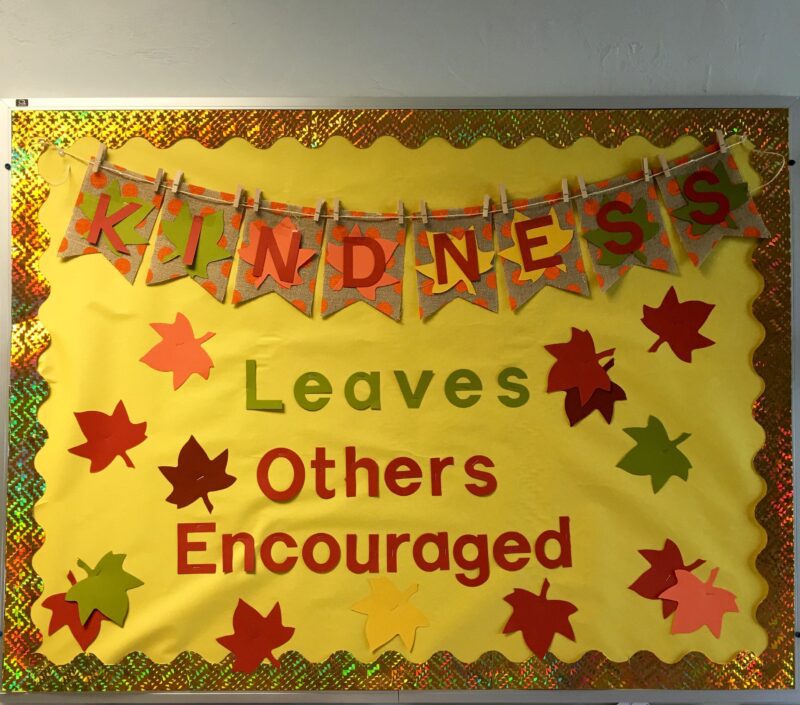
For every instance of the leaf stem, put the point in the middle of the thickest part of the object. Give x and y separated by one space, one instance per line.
207 502
680 439
127 460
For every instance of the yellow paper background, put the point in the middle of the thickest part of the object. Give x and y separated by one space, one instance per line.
99 326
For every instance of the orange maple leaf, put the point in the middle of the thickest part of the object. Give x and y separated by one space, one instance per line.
179 352
699 603
286 235
363 263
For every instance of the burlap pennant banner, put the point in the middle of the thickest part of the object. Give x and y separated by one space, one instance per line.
621 220
114 215
364 262
279 253
539 247
196 237
455 259
709 200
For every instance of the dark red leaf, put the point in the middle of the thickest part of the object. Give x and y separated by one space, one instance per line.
538 618
661 574
255 637
578 366
196 475
108 436
678 324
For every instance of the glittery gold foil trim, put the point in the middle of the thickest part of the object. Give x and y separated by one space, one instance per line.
26 670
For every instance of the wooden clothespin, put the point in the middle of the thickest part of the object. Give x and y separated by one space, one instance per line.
158 180
503 198
486 202
400 213
237 199
176 181
318 209
582 185
646 170
336 210
565 190
257 200
423 211
664 164
723 145
98 160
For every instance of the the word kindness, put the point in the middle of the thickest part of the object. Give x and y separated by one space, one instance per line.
363 390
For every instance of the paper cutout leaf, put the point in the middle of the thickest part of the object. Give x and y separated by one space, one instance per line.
178 231
455 276
678 324
661 574
699 603
602 400
179 351
66 614
126 228
196 475
655 454
108 436
255 637
578 366
555 239
737 195
105 588
539 618
283 233
601 238
390 614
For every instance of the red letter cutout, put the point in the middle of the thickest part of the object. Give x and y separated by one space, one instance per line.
358 269
468 264
526 244
623 226
723 204
103 222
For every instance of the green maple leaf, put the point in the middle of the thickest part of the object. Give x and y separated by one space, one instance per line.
737 195
126 229
655 454
600 238
177 232
105 589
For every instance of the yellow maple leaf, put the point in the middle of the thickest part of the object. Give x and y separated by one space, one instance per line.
557 240
389 614
455 274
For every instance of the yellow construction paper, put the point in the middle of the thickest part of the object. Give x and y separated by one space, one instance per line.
544 469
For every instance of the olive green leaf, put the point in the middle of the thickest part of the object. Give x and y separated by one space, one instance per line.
600 238
105 589
655 454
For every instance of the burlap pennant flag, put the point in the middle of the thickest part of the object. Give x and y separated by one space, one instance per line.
709 200
539 247
279 253
114 215
622 223
196 237
364 262
455 259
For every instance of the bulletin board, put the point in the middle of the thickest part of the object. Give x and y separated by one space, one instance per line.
399 399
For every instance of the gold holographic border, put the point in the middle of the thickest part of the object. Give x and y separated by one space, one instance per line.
26 670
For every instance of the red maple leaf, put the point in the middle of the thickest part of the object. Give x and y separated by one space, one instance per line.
578 365
678 324
700 603
362 264
179 351
538 618
67 614
661 574
196 475
108 436
255 637
283 232
602 400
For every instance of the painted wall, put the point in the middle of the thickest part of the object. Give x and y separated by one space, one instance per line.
397 48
